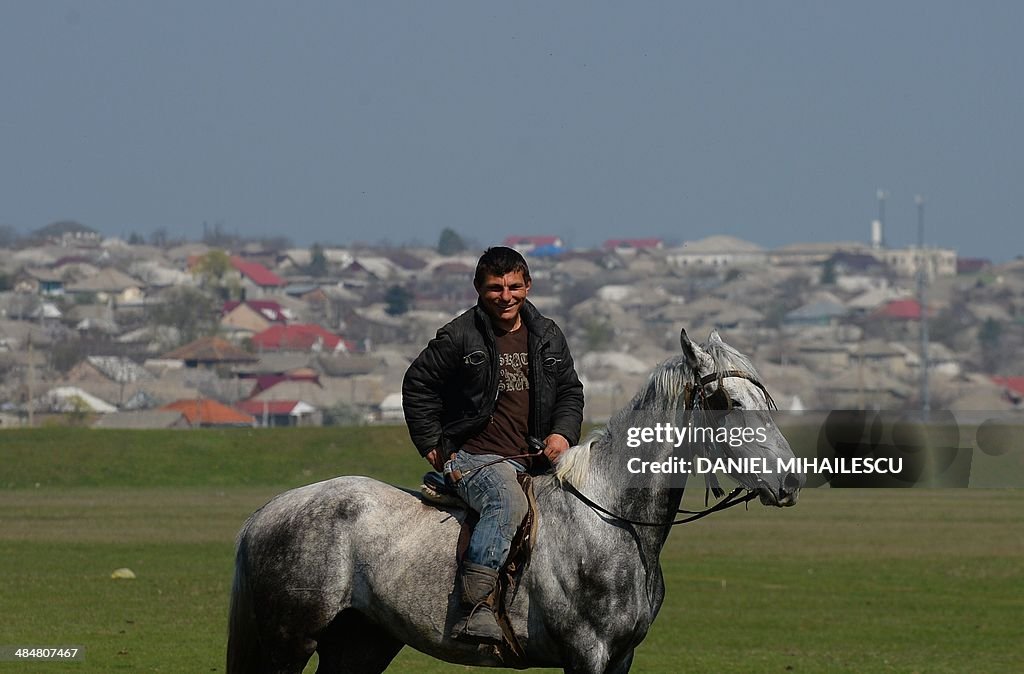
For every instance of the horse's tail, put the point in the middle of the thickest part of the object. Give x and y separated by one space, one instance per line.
244 651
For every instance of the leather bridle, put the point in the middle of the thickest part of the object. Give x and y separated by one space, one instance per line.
696 397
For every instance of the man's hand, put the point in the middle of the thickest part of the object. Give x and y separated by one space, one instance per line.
436 459
554 445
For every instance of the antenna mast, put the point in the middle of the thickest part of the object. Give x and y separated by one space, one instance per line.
921 301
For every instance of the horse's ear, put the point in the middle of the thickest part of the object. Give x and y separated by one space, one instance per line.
715 337
688 351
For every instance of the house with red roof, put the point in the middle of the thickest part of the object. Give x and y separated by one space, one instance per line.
972 265
257 278
206 413
266 381
252 316
901 310
210 352
303 337
274 413
1013 388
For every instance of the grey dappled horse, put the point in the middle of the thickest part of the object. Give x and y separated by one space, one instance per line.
355 569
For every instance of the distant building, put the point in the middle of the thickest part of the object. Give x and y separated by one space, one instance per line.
110 284
526 244
210 352
71 399
256 277
971 265
205 413
626 246
252 316
801 254
69 234
108 369
275 413
901 310
822 311
370 268
905 261
268 381
1013 388
391 409
716 251
41 281
143 419
845 262
300 337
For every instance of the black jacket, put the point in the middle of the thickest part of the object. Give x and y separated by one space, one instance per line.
450 390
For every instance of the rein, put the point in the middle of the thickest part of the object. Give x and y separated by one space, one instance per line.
536 448
694 398
458 475
732 499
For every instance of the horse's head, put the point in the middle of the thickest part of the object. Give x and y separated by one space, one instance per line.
728 395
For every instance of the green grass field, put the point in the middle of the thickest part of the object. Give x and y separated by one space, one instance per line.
927 580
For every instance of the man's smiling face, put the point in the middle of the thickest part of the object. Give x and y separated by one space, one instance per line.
502 298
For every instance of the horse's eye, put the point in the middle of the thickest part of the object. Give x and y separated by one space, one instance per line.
734 404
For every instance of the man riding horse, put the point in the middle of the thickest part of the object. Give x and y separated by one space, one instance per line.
492 377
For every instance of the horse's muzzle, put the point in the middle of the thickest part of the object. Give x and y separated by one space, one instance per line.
786 495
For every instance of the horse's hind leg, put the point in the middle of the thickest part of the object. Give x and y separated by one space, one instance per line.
351 643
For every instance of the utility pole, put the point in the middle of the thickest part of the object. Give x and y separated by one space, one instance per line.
882 196
31 384
922 305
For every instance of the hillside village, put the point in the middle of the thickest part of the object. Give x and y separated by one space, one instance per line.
110 333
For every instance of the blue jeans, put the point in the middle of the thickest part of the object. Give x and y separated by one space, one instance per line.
494 493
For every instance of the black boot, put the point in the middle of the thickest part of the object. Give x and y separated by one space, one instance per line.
477 624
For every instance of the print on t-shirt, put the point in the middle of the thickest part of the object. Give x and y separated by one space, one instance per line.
513 372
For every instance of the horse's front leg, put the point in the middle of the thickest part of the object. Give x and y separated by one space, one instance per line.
622 665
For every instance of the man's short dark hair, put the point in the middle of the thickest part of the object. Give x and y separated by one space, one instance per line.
498 261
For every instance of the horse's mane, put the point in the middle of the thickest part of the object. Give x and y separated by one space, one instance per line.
574 465
664 387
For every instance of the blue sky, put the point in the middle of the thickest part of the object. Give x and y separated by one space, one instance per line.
388 121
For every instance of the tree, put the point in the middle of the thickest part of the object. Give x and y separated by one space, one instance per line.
450 242
342 415
79 411
191 311
598 334
398 300
213 266
65 354
212 270
317 261
828 273
216 236
159 237
990 337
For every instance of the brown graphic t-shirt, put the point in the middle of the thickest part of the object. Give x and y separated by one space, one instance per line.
506 432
